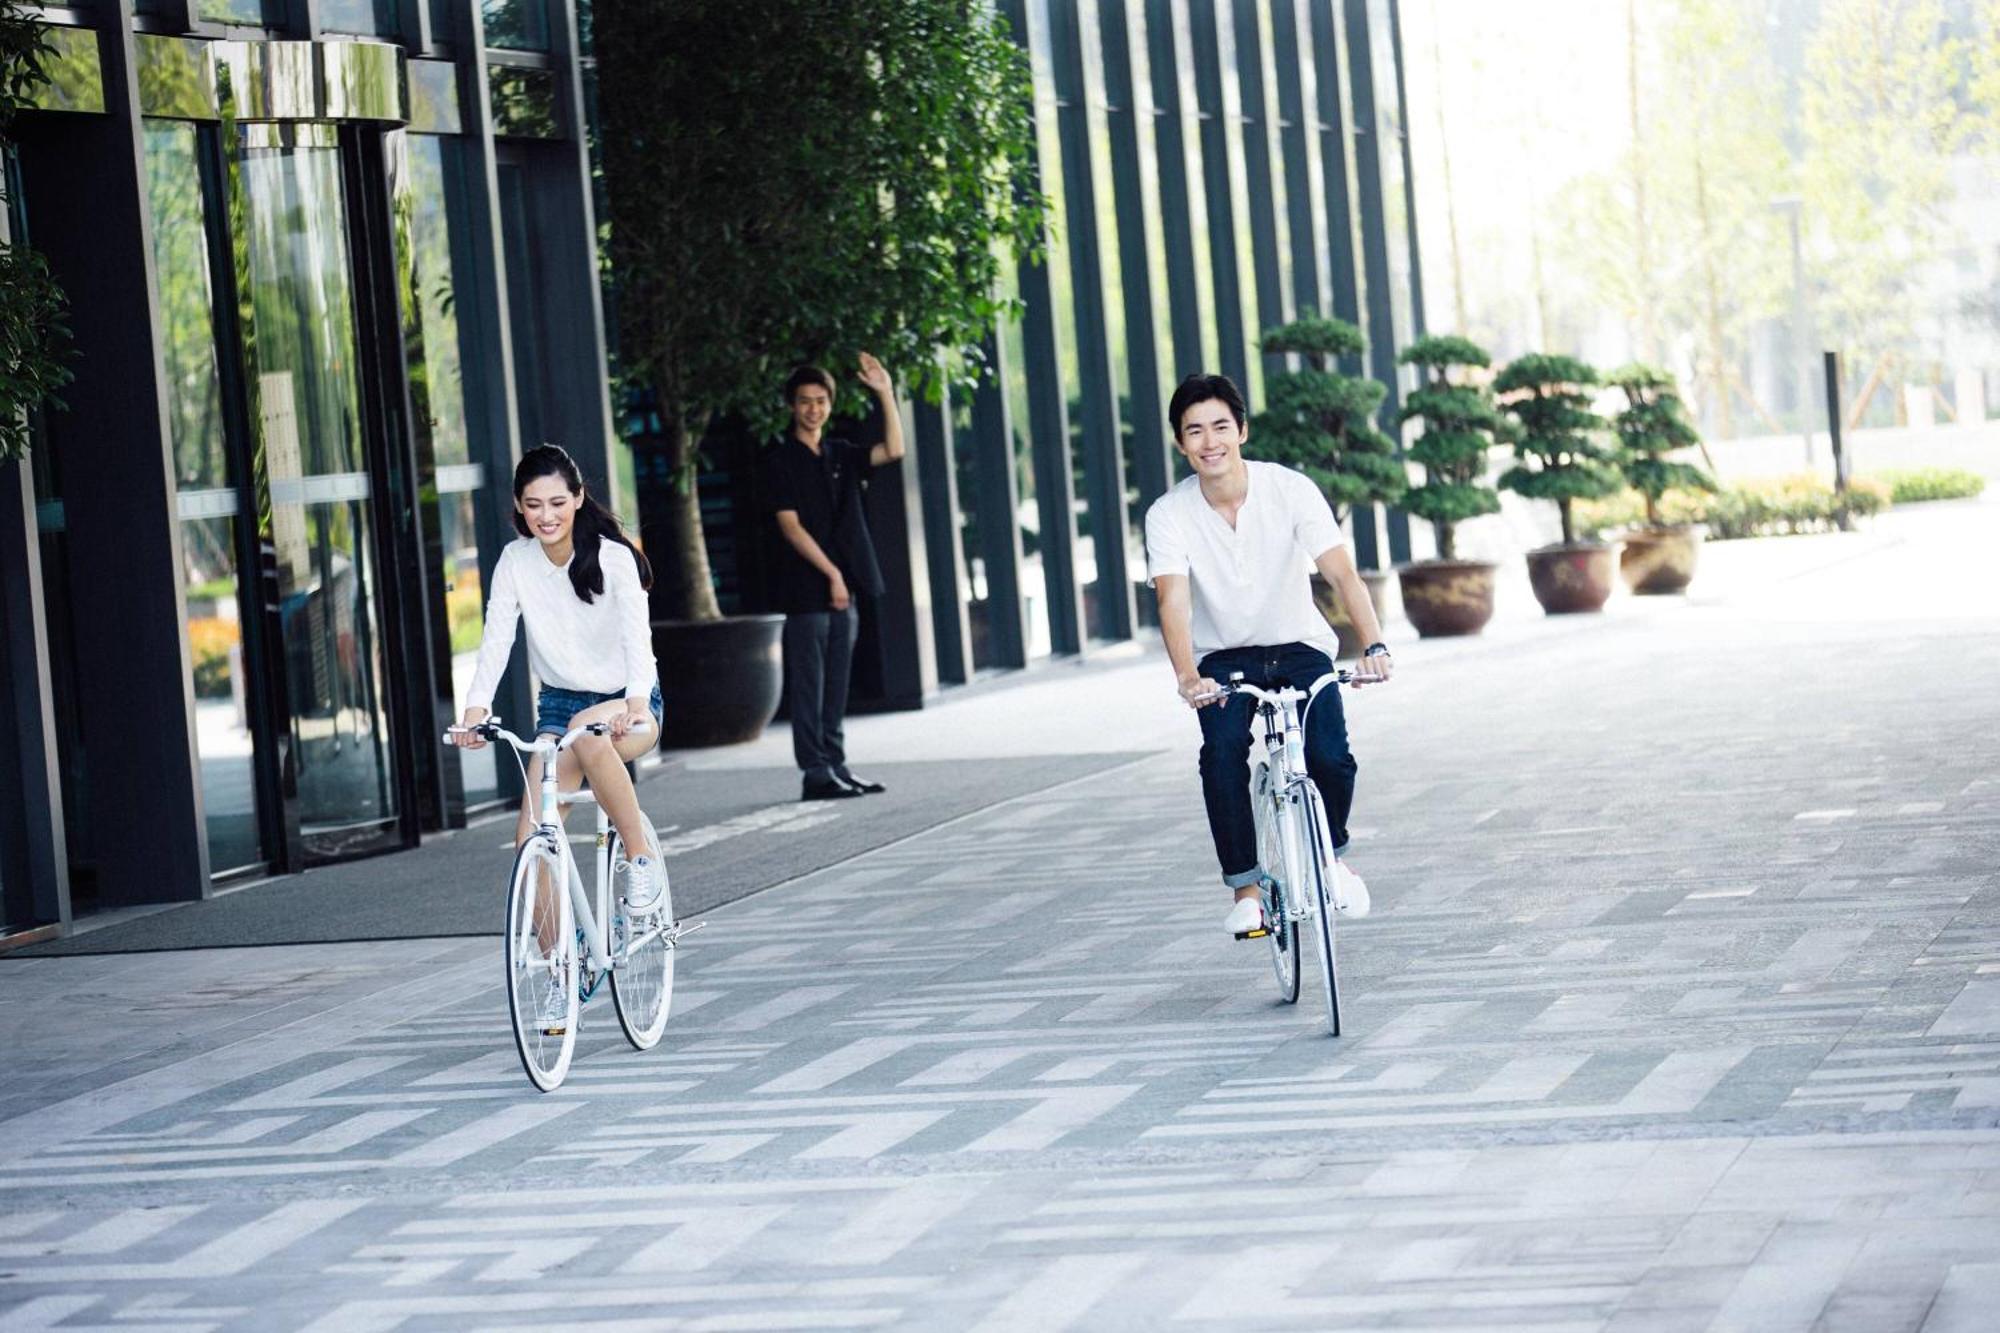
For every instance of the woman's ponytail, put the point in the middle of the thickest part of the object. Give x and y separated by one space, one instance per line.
594 526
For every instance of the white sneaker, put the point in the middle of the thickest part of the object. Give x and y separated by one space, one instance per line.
1246 916
639 883
1350 894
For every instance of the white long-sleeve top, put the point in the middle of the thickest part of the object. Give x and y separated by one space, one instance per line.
604 645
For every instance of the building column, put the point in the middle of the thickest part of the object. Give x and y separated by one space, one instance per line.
1334 131
937 476
1305 183
1190 297
1048 409
1090 274
1264 170
34 862
1224 188
1128 84
96 231
996 498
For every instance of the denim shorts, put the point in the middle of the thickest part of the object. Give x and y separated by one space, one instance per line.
555 708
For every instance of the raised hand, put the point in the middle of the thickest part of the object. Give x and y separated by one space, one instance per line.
874 376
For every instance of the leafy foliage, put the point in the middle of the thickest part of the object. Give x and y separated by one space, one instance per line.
797 180
33 336
1652 425
1914 485
1554 441
1460 425
1323 422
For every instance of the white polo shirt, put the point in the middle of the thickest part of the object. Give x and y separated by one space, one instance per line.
1251 583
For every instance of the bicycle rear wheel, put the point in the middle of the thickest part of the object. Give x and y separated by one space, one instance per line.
1320 874
541 965
1284 936
642 966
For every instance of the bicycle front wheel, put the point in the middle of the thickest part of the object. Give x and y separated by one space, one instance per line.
1266 803
541 965
642 967
1320 872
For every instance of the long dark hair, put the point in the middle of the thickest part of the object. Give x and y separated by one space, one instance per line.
594 523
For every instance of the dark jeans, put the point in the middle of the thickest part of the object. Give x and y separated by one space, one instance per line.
1225 749
819 649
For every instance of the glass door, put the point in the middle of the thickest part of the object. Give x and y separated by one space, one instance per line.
301 315
207 483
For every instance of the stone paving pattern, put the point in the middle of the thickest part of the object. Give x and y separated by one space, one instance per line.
1679 1010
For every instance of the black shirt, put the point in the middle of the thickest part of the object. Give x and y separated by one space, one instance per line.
825 488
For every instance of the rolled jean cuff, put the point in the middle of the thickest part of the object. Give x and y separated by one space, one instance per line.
1244 879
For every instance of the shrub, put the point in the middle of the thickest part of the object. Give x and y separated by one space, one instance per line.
1460 425
1652 427
1765 507
1555 435
1322 422
1913 485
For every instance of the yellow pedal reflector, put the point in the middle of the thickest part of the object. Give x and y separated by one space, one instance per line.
1253 934
554 1032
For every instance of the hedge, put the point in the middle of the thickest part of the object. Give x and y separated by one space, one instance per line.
1765 507
1912 485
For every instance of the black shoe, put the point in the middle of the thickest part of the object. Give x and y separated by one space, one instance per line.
827 789
860 785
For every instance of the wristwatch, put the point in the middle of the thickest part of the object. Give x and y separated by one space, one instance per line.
1376 650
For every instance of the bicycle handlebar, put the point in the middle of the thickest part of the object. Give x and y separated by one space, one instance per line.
1276 698
490 729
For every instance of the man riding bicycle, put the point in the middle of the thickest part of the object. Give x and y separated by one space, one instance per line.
1227 550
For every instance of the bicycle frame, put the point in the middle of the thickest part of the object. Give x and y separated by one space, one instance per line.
1284 741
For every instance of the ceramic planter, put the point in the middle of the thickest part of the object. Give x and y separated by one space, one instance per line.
1377 583
1660 560
1572 579
1448 597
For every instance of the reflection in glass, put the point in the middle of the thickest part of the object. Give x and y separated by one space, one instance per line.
206 496
374 18
308 387
516 25
236 11
1028 515
437 398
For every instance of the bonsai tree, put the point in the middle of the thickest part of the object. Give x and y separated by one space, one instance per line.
1323 422
1460 425
797 180
32 333
1652 425
1554 441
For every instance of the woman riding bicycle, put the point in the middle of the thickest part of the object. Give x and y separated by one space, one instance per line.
580 585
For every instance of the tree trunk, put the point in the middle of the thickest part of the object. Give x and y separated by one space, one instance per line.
1569 529
1447 540
690 591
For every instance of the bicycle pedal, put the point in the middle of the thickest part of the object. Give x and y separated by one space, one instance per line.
554 1032
1256 934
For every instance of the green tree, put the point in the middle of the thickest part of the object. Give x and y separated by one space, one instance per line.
1460 424
1323 422
1882 116
798 180
33 335
1558 456
1652 425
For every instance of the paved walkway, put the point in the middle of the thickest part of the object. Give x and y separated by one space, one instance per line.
1680 1010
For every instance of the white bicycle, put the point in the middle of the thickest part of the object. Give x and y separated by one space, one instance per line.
557 952
1293 844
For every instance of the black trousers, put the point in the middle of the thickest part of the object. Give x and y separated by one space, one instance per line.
819 653
1225 749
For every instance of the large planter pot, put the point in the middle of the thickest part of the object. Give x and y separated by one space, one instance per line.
1377 583
1659 560
719 679
1447 597
1570 579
